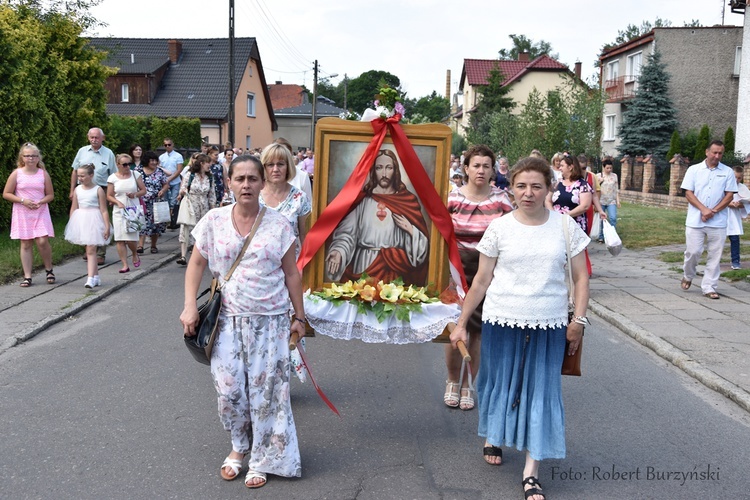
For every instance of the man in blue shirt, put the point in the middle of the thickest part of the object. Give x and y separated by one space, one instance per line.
171 162
709 187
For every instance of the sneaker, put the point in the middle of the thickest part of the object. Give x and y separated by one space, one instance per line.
97 281
90 282
736 268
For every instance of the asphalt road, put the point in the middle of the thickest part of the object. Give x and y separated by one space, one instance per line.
109 404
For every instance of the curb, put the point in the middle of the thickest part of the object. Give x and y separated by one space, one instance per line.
80 305
675 356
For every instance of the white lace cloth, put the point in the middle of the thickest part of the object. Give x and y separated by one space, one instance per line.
345 323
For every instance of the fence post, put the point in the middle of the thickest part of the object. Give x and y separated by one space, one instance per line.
626 172
649 175
677 169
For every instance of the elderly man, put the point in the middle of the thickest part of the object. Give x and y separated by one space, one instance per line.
709 187
171 162
385 234
104 165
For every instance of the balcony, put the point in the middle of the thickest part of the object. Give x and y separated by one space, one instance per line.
621 88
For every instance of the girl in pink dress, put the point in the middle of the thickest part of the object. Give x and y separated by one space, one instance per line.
29 188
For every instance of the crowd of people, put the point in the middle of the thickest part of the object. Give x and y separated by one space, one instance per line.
514 319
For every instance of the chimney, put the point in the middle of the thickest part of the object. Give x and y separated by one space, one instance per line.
175 51
578 69
448 85
278 82
523 56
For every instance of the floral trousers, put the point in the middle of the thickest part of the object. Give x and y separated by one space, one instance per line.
250 368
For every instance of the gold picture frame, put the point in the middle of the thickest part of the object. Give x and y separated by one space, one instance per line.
339 145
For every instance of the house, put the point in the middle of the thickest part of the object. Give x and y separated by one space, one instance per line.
189 78
704 65
742 132
522 76
293 111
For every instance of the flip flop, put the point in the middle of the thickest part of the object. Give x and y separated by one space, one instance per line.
493 451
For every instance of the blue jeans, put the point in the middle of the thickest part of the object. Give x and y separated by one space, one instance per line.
611 210
734 246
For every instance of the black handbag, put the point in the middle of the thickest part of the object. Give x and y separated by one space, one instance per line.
201 344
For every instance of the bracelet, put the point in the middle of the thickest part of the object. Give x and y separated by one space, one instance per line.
22 200
582 320
303 321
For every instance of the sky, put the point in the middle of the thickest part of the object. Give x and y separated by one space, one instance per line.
416 40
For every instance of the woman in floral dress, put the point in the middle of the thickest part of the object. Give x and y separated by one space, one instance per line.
572 195
198 189
250 358
157 185
281 196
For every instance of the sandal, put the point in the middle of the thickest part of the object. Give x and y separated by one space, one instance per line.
467 402
25 283
154 250
234 467
492 451
536 487
685 283
450 398
139 250
252 474
181 261
50 276
711 295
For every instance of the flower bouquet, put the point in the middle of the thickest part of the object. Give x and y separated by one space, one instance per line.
378 298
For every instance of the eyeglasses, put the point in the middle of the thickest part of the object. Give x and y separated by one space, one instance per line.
280 165
167 145
31 156
125 163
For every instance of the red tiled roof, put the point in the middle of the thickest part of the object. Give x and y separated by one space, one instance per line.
285 95
476 71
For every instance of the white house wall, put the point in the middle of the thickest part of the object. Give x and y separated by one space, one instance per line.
742 142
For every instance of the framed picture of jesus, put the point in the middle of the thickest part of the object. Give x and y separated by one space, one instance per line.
386 231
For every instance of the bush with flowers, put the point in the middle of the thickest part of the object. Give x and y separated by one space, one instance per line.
378 298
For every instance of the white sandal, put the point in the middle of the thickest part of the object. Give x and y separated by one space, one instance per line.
234 465
450 398
467 402
253 474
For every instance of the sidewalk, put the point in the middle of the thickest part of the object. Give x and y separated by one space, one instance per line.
25 312
707 339
635 292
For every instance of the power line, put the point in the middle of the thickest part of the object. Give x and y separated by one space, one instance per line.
276 42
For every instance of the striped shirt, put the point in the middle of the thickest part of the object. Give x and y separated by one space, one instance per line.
471 218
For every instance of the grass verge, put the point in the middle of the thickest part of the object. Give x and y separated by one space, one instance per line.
10 252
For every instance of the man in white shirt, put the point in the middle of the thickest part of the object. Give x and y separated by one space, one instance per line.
171 162
709 187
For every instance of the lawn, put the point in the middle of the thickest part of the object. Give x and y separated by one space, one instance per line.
10 257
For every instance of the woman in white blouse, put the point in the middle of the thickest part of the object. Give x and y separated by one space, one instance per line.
525 325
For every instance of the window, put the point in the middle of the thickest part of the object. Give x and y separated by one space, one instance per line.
634 67
125 92
609 127
248 142
613 69
250 104
737 61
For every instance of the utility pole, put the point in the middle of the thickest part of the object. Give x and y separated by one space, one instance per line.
230 131
345 85
314 102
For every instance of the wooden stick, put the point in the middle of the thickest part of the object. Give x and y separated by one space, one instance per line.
460 344
293 339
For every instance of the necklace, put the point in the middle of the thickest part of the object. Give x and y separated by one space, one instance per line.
236 227
272 199
475 197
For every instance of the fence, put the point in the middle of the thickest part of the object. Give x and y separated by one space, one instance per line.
650 181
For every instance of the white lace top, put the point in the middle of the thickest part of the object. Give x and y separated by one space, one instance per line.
528 287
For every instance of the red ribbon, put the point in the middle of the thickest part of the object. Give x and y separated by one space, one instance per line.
314 383
343 203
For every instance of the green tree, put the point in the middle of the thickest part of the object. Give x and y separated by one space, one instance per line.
649 120
675 146
433 107
51 88
701 145
362 89
689 140
493 97
729 141
523 44
632 31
